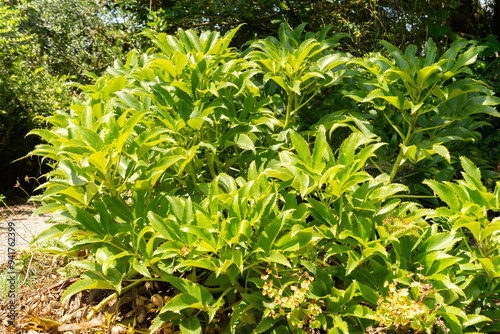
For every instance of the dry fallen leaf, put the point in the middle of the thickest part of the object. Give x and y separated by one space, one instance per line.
98 321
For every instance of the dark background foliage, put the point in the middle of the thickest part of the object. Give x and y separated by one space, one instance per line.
61 40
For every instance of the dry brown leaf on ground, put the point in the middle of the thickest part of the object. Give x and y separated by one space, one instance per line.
98 321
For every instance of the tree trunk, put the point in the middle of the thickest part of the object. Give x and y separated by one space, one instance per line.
496 19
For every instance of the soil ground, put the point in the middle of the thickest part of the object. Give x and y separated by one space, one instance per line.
41 279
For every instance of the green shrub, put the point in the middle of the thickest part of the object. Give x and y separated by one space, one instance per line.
26 90
188 168
424 106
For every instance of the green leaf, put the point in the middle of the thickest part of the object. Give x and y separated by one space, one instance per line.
193 39
397 101
190 325
387 191
265 324
430 52
109 262
53 232
85 284
368 294
129 100
360 311
177 206
491 269
204 263
424 74
442 151
440 241
473 319
141 268
396 54
445 193
244 142
301 147
454 310
118 209
169 230
452 322
353 261
89 136
242 313
181 302
268 236
99 160
281 83
197 291
277 257
84 218
471 169
200 232
467 58
339 324
319 149
295 86
325 214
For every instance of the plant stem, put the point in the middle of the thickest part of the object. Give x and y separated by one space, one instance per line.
288 109
406 140
210 163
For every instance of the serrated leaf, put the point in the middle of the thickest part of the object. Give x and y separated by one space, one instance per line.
190 325
473 319
445 193
181 302
195 290
452 322
277 257
324 212
244 142
85 284
319 150
301 147
440 241
265 324
360 311
54 231
471 169
130 100
387 191
353 261
200 232
442 151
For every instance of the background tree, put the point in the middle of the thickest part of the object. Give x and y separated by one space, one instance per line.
368 21
75 37
496 18
26 90
41 43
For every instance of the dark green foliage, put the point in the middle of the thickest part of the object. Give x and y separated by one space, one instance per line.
402 23
26 90
22 98
74 37
41 42
423 106
194 165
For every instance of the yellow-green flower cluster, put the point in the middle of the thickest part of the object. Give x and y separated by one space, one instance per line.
403 310
290 300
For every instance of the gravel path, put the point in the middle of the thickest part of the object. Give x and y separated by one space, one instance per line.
26 227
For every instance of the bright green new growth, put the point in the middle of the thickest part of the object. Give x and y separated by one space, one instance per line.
298 64
188 167
427 100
